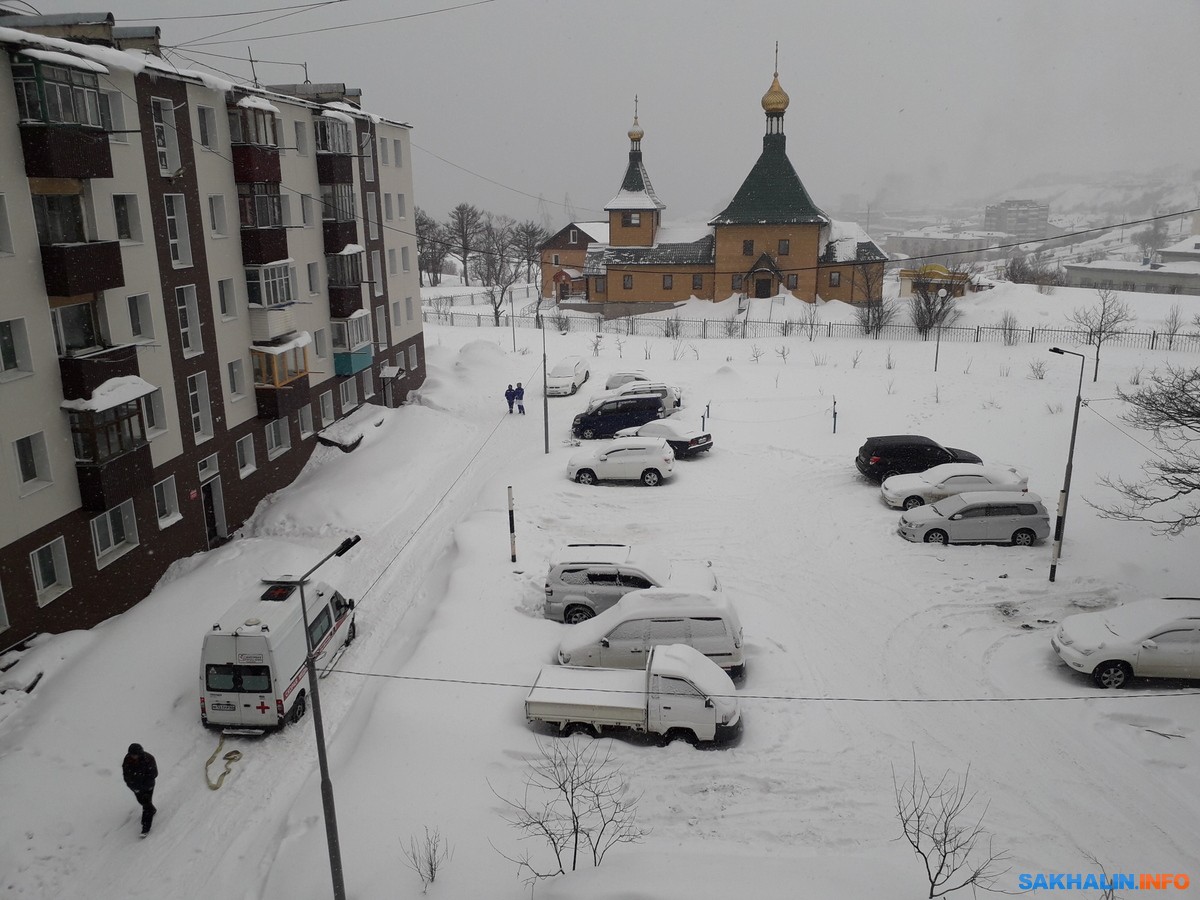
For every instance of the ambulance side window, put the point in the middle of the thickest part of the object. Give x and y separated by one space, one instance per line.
319 627
340 604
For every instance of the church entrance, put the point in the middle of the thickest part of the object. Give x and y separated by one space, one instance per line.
762 287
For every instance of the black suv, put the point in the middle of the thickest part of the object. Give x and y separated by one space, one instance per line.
606 418
898 454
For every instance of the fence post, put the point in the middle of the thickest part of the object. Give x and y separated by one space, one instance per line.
829 333
704 329
1032 339
1153 339
977 334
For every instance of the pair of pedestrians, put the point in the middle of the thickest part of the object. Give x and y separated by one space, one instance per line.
516 395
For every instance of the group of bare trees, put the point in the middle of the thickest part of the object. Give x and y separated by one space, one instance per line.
1036 268
496 250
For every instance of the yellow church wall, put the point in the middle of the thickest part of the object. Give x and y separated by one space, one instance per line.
801 260
640 235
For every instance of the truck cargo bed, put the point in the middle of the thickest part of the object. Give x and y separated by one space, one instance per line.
577 694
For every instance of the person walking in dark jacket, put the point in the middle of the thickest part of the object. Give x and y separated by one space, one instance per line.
140 771
510 395
519 394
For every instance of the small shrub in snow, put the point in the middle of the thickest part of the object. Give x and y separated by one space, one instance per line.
783 352
672 327
890 362
1054 408
967 370
891 385
820 359
1037 369
756 353
647 348
561 321
1005 370
597 341
854 360
426 857
732 327
1010 328
1135 377
677 349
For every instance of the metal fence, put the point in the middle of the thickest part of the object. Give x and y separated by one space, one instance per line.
704 329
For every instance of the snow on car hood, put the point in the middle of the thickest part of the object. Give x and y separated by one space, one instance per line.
687 575
900 483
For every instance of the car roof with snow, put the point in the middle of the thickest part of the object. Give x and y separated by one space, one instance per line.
608 554
673 600
995 497
996 474
632 443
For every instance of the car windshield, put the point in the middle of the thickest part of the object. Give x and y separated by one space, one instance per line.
949 506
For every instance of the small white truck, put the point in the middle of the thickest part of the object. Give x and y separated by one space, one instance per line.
680 694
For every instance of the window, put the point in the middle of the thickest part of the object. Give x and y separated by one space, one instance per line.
327 415
401 207
166 502
269 285
383 151
6 243
396 152
368 383
275 369
59 218
395 312
345 269
404 263
285 210
153 415
99 435
697 282
217 225
279 438
627 282
198 406
178 240
301 138
392 269
835 279
76 328
737 282
348 394
631 219
68 96
140 322
332 135
237 379
320 344
792 281
387 204
166 139
114 533
189 320
372 216
33 465
337 202
14 349
381 329
252 125
574 237
412 357
226 299
306 211
368 156
350 334
785 247
668 282
206 126
259 205
208 468
747 248
319 627
129 220
306 421
112 116
51 575
408 308
245 455
376 273
601 284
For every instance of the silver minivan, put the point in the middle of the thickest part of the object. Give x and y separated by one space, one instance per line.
621 636
978 517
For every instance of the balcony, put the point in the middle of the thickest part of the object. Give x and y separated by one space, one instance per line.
65 151
81 375
344 301
354 361
338 235
277 402
254 162
335 168
261 246
103 485
268 323
85 268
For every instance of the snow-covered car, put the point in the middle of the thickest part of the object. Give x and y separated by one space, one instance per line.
648 460
672 395
616 379
685 437
919 488
566 376
1155 638
978 517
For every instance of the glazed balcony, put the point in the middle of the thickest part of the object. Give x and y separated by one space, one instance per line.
65 151
81 375
335 168
344 301
83 268
277 402
354 361
254 162
105 484
269 323
339 234
261 246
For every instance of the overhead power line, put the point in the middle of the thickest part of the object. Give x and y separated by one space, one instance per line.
247 12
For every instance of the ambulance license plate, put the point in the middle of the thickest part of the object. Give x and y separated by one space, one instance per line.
224 707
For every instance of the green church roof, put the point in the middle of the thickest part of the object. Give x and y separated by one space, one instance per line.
772 193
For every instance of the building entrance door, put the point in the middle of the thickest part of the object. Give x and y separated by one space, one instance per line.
214 511
762 287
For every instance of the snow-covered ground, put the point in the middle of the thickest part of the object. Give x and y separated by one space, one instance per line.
863 649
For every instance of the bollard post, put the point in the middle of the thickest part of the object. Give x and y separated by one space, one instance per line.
835 415
512 526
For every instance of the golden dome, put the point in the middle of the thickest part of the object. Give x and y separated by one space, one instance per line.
776 99
636 133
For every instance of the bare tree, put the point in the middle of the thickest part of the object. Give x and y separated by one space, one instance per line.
1168 498
874 315
944 832
576 802
1152 238
464 227
1009 328
529 237
931 304
426 857
433 245
783 351
1037 269
1172 324
810 318
495 263
1104 321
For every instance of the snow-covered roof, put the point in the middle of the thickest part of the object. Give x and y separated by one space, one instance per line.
682 661
338 115
1178 267
351 249
303 339
633 200
682 232
112 393
66 59
597 231
253 101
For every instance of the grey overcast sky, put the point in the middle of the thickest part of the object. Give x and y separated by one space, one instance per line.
919 103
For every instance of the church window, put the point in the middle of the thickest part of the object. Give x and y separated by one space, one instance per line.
835 279
785 247
627 282
631 219
697 282
792 281
737 282
747 248
668 282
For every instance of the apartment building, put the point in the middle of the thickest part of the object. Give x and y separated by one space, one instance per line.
196 278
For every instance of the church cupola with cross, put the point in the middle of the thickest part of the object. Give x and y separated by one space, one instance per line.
634 214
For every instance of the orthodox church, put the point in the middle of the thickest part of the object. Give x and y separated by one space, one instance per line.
771 238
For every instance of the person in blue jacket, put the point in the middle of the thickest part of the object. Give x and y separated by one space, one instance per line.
519 394
510 395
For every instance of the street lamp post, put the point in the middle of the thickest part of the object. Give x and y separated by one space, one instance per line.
331 831
541 322
1060 523
937 347
512 318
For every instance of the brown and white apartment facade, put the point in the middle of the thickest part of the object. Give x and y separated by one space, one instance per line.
196 278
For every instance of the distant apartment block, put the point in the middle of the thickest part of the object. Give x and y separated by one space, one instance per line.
198 277
1173 270
1026 220
938 244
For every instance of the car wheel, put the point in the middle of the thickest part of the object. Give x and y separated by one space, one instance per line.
574 387
936 536
588 434
1023 538
352 633
576 614
585 476
680 734
651 478
1112 674
579 728
890 472
300 707
913 502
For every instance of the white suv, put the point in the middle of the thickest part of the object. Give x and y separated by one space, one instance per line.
585 579
645 459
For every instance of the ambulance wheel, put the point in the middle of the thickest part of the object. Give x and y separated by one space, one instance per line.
352 633
300 707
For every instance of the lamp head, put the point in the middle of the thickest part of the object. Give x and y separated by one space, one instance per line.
1058 350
